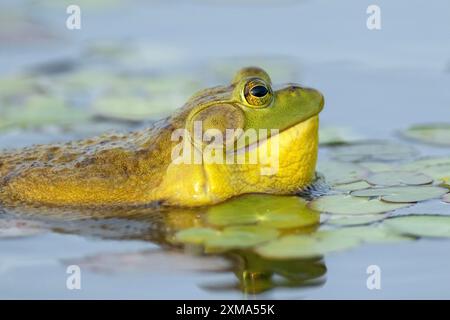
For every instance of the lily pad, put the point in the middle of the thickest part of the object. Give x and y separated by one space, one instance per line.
373 151
434 133
282 212
235 237
403 194
421 226
306 246
348 205
336 172
39 111
340 220
323 242
427 162
376 166
440 172
240 237
359 185
395 178
131 108
195 235
337 135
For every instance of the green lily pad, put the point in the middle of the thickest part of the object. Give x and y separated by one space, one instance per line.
324 242
421 226
337 135
40 111
195 235
336 172
376 166
434 133
235 237
131 108
403 194
306 246
340 220
239 237
359 185
422 163
282 212
347 205
373 151
440 173
395 178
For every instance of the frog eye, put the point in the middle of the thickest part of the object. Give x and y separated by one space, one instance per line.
257 93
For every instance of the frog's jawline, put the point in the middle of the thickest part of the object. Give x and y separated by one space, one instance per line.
255 144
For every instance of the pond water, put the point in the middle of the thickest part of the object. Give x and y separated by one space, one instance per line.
151 57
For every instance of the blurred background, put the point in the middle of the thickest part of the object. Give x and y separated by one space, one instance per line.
133 62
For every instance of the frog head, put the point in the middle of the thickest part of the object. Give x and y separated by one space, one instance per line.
219 120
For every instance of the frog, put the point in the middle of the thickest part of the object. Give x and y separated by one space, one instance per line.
141 168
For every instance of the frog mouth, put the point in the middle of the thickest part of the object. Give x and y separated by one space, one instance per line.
287 137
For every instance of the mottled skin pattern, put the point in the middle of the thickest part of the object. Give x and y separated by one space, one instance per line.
137 168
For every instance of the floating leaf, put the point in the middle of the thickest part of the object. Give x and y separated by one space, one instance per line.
340 220
306 246
427 162
235 237
346 204
421 226
359 185
131 108
238 237
336 172
403 194
265 210
395 178
323 242
337 135
40 111
372 151
440 172
195 235
376 166
434 133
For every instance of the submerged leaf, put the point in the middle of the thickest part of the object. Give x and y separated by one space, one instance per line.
346 204
402 194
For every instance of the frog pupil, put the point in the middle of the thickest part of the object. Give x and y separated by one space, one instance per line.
259 91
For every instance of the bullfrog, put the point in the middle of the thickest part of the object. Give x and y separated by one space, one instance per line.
142 167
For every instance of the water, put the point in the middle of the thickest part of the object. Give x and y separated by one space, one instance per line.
376 82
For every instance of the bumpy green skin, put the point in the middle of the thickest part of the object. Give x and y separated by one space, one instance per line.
137 168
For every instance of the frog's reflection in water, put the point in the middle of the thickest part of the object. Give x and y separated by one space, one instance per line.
254 273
